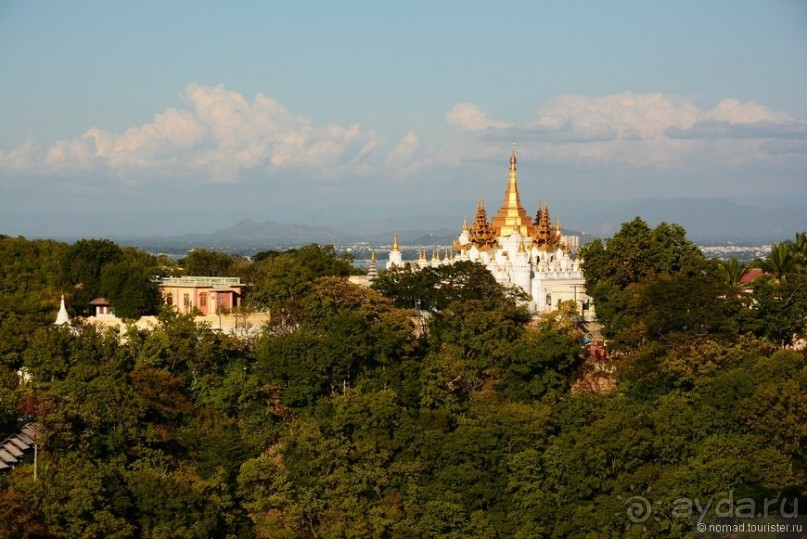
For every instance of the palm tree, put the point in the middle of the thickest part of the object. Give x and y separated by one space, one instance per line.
730 271
782 260
801 242
800 247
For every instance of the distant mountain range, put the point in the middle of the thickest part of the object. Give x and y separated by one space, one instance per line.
707 220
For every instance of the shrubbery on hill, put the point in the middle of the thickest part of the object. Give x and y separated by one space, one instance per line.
344 421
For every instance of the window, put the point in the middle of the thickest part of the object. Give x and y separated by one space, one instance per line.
169 299
186 300
203 300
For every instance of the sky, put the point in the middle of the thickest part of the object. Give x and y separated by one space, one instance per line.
153 117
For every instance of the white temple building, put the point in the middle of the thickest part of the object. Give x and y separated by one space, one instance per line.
519 251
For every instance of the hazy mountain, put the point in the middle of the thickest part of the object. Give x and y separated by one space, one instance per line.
705 219
248 230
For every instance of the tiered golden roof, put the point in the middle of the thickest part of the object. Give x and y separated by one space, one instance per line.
481 233
545 235
512 216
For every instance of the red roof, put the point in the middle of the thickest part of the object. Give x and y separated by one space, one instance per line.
750 275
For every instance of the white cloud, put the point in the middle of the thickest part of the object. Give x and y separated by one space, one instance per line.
734 112
403 152
469 116
220 136
21 157
640 130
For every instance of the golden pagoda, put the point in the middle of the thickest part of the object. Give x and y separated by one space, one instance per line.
481 233
512 216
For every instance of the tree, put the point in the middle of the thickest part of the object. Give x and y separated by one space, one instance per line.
433 289
131 287
631 255
20 519
730 271
541 361
780 306
81 269
637 251
285 277
30 278
207 263
780 296
782 260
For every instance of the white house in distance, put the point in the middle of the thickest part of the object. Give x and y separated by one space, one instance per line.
519 251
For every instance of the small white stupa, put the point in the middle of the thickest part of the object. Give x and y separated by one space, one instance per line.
62 318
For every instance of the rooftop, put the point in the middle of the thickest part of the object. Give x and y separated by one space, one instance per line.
201 281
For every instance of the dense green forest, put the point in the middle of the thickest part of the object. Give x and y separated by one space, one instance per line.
351 417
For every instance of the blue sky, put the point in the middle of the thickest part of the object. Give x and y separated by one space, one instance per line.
173 117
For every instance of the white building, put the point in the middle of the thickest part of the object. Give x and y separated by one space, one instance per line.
519 251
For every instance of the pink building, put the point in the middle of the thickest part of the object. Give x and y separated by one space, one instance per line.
208 295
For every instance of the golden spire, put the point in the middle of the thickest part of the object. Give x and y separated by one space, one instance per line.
465 225
521 248
512 216
395 246
372 256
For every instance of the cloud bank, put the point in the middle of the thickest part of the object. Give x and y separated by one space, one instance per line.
644 130
220 136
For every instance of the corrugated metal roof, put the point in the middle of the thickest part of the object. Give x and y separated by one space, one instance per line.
32 430
13 449
19 443
24 438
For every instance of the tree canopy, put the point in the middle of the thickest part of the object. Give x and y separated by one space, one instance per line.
345 418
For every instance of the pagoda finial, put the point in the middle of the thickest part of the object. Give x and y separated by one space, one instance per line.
465 225
372 256
512 217
395 246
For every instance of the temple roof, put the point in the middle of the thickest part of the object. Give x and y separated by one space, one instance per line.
512 216
481 233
